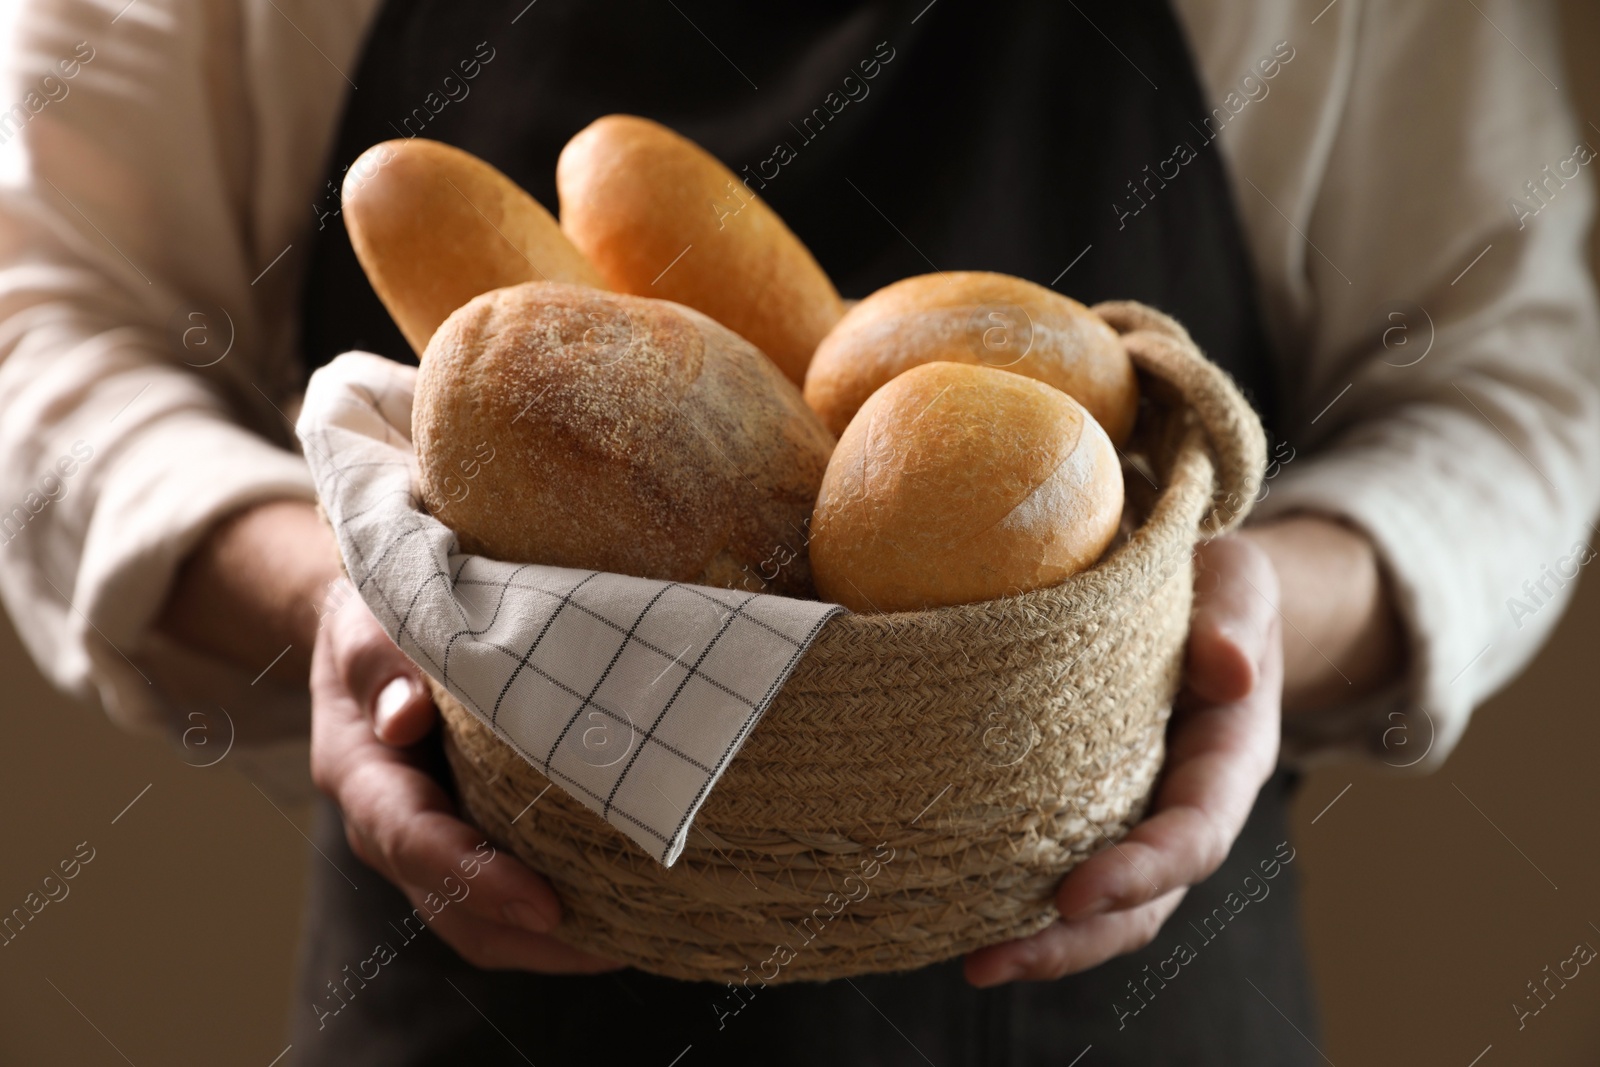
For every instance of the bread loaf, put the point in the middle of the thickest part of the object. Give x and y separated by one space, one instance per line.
958 483
978 318
660 217
569 426
434 226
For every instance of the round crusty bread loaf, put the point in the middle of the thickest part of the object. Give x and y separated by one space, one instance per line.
434 226
569 426
980 318
662 217
960 483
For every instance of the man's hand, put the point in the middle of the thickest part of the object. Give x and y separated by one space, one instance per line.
1222 746
367 704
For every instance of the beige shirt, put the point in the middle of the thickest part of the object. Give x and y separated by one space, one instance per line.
160 183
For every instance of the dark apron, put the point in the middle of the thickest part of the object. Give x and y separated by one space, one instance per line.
1025 136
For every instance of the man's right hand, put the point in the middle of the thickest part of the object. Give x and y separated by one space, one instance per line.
368 704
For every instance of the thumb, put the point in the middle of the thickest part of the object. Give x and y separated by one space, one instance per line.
379 677
1235 601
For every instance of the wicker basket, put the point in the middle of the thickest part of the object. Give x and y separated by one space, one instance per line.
923 781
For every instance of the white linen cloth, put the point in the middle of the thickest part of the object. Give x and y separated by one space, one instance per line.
631 694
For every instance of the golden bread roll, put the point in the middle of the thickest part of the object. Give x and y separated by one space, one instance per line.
434 226
662 217
570 426
979 318
958 483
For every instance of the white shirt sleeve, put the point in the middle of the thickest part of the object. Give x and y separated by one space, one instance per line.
1434 321
146 329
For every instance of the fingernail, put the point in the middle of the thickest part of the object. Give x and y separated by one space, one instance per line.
525 915
391 699
1009 973
1020 967
1241 637
1090 910
1250 645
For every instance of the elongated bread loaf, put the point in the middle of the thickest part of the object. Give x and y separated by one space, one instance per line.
958 483
661 217
980 318
570 426
434 226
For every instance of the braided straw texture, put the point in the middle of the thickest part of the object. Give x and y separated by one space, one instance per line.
924 780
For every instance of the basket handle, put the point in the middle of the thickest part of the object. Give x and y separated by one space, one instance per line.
1160 346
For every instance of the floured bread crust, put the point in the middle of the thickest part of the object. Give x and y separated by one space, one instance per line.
569 426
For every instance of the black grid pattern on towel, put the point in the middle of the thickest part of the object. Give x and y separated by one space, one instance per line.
377 587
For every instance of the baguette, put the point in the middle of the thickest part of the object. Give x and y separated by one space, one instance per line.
659 216
434 226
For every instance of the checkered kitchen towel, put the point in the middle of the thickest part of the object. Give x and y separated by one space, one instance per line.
630 694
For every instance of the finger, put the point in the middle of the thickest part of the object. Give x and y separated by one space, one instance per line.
409 828
496 946
1235 609
341 733
399 819
341 730
1218 757
403 712
384 682
1064 948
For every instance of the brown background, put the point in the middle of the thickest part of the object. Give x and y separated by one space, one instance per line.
1425 920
